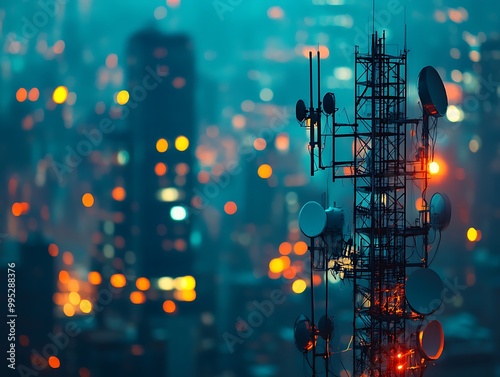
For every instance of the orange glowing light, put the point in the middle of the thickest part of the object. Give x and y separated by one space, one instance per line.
239 121
94 278
259 144
24 340
265 171
88 200
169 306
142 284
67 258
180 244
160 169
73 285
162 145
286 261
69 310
433 168
324 52
21 94
275 12
137 297
289 273
54 362
64 276
300 248
230 208
316 280
118 280
17 209
53 250
118 194
285 248
33 94
179 82
282 142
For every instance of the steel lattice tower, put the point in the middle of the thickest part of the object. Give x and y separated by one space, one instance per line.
388 333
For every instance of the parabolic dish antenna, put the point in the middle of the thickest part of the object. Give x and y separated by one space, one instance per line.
432 92
325 327
329 103
431 340
303 334
424 291
440 211
300 110
312 219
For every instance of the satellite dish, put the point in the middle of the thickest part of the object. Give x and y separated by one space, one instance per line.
440 211
325 327
300 110
303 334
424 290
329 103
431 340
312 219
432 92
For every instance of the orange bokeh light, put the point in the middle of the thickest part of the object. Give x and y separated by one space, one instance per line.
33 94
137 297
300 248
21 94
67 258
94 278
230 208
169 306
118 280
160 169
54 362
64 276
142 284
53 250
118 193
88 200
285 248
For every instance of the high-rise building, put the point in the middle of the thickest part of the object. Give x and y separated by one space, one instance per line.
161 120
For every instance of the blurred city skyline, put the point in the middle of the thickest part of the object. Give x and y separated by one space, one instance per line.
151 152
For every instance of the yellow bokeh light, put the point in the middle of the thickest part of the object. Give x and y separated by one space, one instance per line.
166 283
142 284
118 280
181 143
85 306
122 97
299 286
265 171
188 295
60 94
94 278
74 298
137 297
69 310
472 234
185 283
276 265
433 167
162 145
88 200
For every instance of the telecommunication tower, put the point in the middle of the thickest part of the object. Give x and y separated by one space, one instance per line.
386 256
